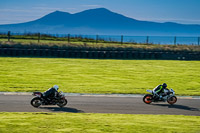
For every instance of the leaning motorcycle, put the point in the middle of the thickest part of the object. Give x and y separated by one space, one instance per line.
38 100
168 95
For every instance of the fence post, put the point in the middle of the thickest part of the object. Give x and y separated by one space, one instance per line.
38 37
9 36
147 41
175 40
121 39
198 40
97 37
68 38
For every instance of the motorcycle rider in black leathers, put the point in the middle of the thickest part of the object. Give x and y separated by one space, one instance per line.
159 90
50 93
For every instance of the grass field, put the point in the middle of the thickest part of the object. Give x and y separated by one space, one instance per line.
98 76
96 123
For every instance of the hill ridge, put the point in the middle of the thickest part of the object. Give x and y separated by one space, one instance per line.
100 21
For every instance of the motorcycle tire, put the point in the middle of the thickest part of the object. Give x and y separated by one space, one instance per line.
62 103
148 99
36 102
172 100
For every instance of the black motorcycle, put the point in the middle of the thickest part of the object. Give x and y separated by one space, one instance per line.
168 95
59 100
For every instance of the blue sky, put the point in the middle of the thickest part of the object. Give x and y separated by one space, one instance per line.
180 11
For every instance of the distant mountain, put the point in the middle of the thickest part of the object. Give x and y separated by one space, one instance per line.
100 21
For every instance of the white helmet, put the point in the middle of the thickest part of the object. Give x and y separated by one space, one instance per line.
56 87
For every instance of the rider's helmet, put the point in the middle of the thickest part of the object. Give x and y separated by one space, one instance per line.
164 85
56 87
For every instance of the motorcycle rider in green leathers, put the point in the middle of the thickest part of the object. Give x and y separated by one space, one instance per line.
159 90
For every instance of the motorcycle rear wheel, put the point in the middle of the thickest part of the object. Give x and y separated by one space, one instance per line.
148 99
172 100
36 102
62 103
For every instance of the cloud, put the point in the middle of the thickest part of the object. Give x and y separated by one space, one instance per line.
45 8
32 10
14 10
162 20
91 5
71 8
17 15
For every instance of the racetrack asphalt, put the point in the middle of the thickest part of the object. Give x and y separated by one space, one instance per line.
103 104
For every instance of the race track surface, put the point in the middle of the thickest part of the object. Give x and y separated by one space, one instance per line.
102 104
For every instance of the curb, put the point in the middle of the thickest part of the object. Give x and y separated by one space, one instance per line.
97 95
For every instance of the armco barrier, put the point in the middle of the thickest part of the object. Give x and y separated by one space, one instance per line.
14 52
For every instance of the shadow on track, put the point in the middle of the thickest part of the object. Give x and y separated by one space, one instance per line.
176 106
63 109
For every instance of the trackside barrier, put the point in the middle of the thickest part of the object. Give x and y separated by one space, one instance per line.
16 52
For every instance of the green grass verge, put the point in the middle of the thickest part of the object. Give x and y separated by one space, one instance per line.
97 123
98 76
25 43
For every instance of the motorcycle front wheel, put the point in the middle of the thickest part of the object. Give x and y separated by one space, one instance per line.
62 103
36 102
148 99
172 100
